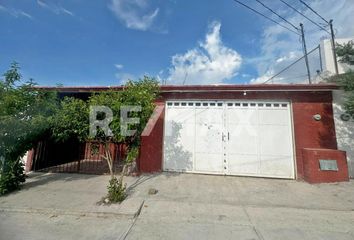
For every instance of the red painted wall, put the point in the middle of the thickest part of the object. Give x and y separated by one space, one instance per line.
312 171
308 133
151 148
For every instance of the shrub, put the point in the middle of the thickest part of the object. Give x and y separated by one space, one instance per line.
116 190
11 177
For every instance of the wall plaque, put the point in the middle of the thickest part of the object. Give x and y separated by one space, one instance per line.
328 165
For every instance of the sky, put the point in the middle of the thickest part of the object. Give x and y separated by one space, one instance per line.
107 42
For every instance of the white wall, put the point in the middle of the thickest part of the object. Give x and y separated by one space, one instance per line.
344 130
327 56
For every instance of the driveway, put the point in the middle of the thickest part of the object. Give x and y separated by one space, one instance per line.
186 206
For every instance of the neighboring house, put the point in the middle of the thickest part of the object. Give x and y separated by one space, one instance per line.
327 56
276 131
344 128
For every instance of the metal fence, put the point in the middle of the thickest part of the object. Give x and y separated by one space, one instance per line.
296 72
74 157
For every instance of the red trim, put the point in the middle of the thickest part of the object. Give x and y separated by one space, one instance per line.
186 88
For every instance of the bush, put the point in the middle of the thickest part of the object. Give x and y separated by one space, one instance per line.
11 177
116 190
25 116
346 82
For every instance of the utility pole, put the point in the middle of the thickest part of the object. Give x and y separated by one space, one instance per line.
333 47
320 54
305 52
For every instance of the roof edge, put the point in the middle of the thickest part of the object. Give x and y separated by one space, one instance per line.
203 88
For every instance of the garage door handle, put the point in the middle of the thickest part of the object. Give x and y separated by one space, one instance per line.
223 136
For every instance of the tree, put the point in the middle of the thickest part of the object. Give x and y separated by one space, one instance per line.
345 52
72 120
25 115
140 93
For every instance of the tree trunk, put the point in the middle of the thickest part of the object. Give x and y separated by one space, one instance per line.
122 173
109 159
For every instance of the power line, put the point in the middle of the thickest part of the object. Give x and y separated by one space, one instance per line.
330 23
287 4
277 14
266 17
185 78
313 11
295 77
286 68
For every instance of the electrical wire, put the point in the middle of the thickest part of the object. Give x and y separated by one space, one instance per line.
314 11
271 10
295 77
265 16
322 28
286 68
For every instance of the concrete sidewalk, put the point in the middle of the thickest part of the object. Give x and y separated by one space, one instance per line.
186 206
70 194
63 206
161 219
191 206
246 191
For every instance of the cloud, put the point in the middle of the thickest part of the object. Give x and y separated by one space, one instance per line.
55 8
209 63
15 12
280 48
119 66
135 14
123 77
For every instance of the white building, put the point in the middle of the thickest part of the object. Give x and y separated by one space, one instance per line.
344 128
327 56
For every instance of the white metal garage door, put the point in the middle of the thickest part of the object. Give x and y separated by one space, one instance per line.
251 138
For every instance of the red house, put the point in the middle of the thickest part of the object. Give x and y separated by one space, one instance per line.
276 131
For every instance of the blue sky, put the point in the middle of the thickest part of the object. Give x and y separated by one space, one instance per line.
96 42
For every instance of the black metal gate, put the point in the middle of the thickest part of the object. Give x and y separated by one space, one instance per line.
75 157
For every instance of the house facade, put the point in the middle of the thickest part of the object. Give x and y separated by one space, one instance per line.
275 131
